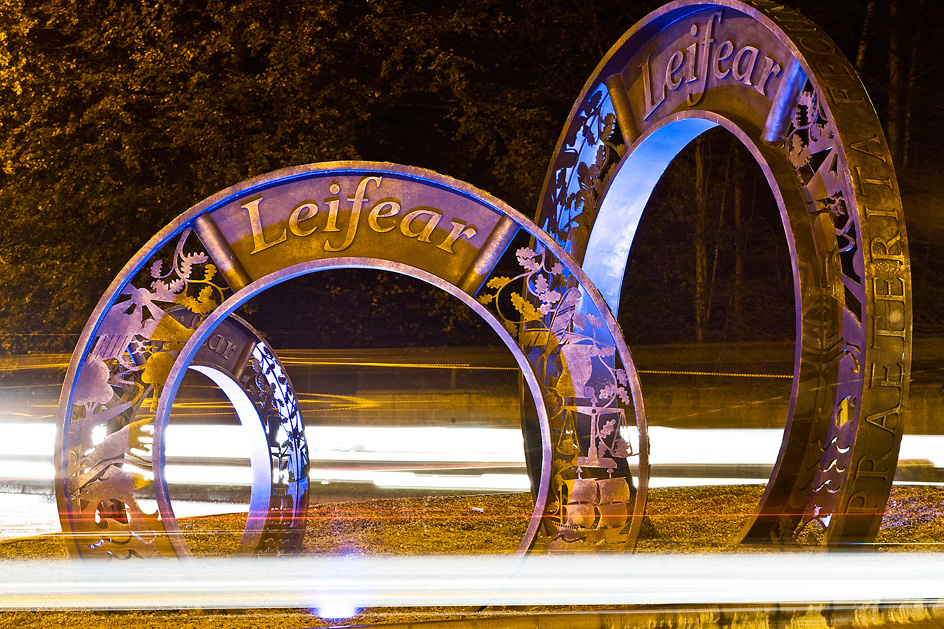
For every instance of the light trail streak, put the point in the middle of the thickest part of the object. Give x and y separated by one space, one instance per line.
412 480
18 363
332 402
16 414
17 387
414 457
202 405
336 402
61 361
363 582
718 373
352 363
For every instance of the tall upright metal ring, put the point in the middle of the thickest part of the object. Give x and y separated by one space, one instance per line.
772 78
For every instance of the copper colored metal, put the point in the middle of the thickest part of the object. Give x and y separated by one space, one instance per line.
591 486
777 82
119 382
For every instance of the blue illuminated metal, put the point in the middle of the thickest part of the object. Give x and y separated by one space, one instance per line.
592 439
625 199
773 79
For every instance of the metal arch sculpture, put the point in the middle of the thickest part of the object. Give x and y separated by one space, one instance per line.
776 81
105 448
591 429
248 372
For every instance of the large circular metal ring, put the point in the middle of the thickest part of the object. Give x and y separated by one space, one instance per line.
591 423
773 79
106 450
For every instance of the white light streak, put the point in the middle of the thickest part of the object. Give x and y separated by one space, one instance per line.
31 439
672 446
359 582
26 470
425 448
494 482
209 475
409 443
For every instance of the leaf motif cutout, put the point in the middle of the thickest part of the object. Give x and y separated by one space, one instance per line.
498 282
525 307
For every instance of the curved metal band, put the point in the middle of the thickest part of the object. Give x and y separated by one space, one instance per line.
773 79
591 422
109 447
249 373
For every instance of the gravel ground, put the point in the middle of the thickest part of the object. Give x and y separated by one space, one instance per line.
690 519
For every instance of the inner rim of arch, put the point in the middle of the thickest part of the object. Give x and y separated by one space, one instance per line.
255 289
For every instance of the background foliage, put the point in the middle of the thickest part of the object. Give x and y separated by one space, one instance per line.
117 116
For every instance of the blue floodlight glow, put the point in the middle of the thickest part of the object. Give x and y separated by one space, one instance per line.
336 609
615 226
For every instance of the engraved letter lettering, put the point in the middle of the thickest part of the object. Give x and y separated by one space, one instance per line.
427 231
675 62
699 90
302 212
868 467
884 292
881 249
870 146
885 381
692 48
739 70
881 420
886 213
892 323
255 223
722 53
771 68
457 233
651 105
377 212
815 44
879 322
219 344
834 71
357 199
855 506
333 203
215 342
887 182
842 95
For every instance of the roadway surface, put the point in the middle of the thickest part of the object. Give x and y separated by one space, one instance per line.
398 422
